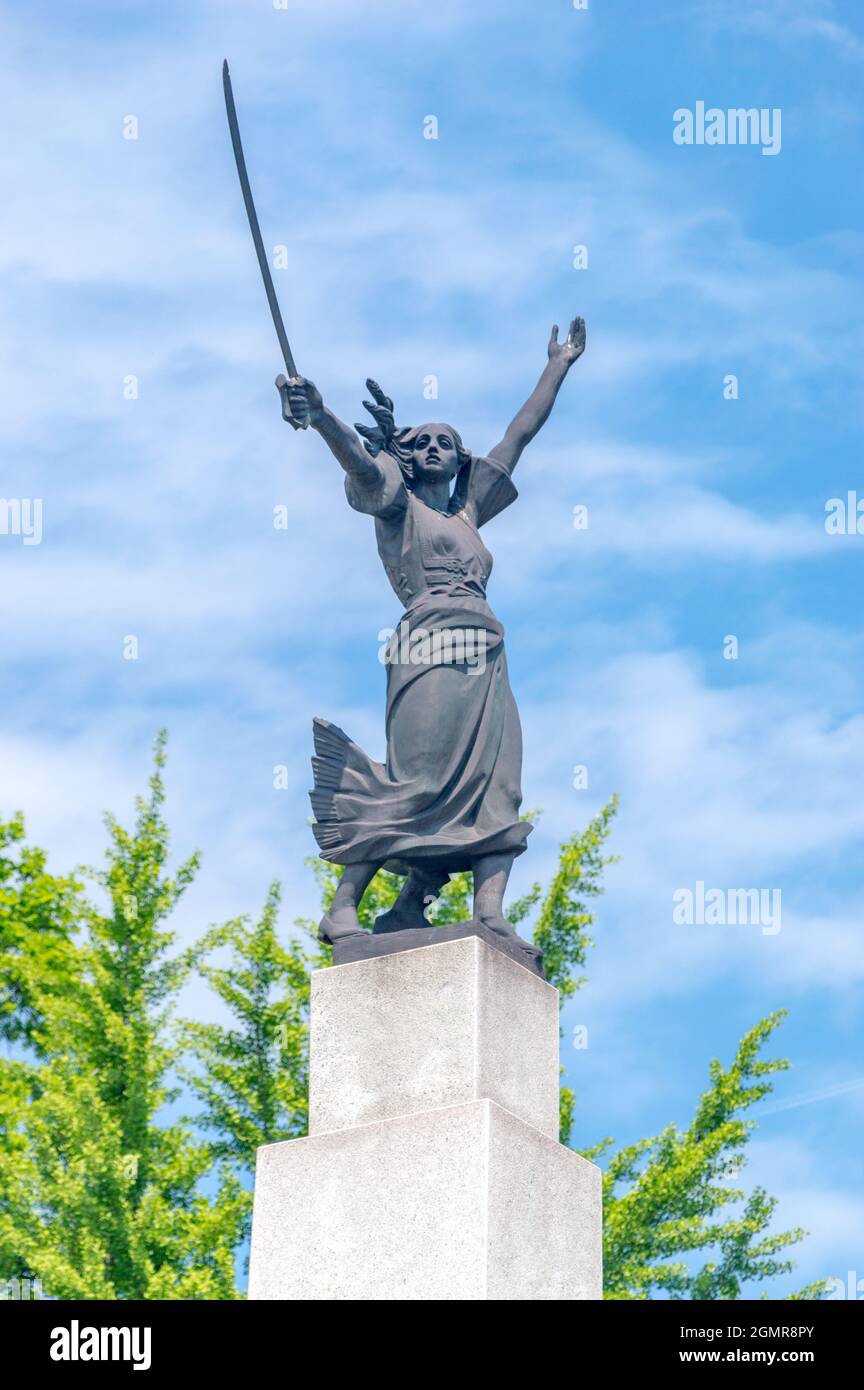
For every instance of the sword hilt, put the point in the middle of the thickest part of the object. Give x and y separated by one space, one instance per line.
298 420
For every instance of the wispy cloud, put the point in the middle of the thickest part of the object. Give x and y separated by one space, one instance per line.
842 1088
787 21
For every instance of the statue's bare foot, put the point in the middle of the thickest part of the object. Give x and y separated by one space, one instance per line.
498 923
495 921
338 925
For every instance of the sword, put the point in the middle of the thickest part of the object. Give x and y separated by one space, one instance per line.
275 311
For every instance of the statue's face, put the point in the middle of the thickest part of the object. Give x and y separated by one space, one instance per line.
435 453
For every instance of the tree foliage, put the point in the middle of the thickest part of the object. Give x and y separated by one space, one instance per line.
39 916
251 1076
666 1198
101 1196
106 1193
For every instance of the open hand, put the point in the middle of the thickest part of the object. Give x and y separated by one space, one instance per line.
567 352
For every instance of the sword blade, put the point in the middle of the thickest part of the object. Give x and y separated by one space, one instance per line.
275 311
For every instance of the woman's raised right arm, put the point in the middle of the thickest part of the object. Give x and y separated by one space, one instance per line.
302 401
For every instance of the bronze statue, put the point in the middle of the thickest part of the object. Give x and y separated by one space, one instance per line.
448 796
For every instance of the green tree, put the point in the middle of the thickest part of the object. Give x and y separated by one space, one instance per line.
39 916
252 1076
99 1196
102 1197
666 1196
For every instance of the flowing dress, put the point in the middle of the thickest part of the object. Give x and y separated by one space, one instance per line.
450 789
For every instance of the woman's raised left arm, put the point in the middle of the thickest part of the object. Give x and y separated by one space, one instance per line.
535 412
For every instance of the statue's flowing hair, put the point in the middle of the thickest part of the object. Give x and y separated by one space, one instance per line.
385 436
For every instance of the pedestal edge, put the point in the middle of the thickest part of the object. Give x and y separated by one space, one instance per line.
355 949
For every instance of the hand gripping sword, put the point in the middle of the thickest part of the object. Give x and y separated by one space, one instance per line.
302 422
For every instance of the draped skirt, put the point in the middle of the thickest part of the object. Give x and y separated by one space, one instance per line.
450 789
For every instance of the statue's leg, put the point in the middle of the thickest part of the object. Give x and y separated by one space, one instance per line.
490 880
491 873
419 887
340 919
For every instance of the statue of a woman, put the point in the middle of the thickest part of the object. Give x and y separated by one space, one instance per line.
448 796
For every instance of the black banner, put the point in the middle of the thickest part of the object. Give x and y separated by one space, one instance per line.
85 1338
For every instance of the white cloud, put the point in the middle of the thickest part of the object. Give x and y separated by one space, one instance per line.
741 786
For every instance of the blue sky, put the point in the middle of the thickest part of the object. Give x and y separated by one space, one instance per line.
409 257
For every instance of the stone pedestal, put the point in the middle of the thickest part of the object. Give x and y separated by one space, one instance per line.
432 1169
